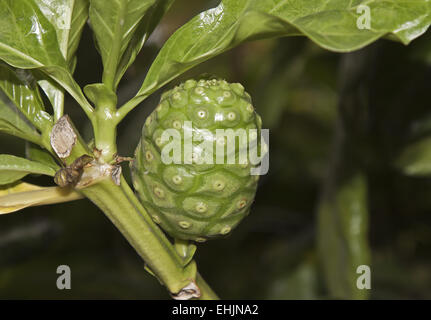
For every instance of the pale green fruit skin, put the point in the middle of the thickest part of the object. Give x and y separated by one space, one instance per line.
196 201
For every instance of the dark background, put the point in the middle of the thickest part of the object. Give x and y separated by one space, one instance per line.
296 89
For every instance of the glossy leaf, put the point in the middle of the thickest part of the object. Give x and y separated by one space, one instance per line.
141 35
114 26
22 90
28 41
331 24
13 168
35 153
68 18
21 195
13 123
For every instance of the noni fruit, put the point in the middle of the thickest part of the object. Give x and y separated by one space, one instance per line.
187 184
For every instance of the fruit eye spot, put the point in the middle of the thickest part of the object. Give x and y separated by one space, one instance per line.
159 192
176 124
202 114
184 224
219 185
231 116
177 179
227 94
241 204
250 108
225 230
176 96
201 207
149 156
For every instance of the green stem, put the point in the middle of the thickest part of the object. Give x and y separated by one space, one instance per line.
105 139
129 106
124 210
105 133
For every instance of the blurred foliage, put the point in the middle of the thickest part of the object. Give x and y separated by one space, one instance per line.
300 90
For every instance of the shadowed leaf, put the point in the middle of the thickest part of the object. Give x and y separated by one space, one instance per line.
13 168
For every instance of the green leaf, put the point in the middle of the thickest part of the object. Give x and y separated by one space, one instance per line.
35 153
68 18
53 91
141 35
28 41
21 88
342 236
331 24
13 168
114 26
13 123
415 160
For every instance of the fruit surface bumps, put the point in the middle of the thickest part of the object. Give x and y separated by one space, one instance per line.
196 200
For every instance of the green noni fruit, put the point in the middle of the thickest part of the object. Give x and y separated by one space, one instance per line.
198 197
